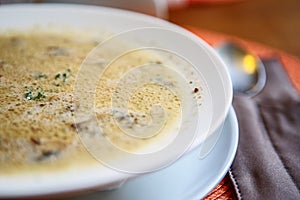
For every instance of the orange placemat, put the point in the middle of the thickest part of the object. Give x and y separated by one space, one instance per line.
212 2
291 63
225 189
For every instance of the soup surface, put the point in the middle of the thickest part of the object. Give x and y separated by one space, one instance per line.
38 71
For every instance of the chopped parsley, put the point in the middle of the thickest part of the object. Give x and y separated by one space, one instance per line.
62 77
34 94
58 76
29 95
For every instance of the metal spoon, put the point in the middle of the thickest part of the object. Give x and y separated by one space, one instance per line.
247 72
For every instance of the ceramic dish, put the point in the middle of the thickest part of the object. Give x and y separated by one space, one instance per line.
174 182
201 55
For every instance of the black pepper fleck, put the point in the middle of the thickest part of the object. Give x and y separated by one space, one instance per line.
35 141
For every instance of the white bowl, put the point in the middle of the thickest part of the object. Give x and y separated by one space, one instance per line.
214 74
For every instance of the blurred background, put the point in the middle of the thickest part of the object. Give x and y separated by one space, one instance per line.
275 23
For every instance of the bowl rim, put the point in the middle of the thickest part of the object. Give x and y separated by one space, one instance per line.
114 176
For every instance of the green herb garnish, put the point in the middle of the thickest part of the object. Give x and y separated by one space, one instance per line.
30 95
63 77
57 76
39 96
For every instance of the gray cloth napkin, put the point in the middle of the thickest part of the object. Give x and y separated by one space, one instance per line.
267 164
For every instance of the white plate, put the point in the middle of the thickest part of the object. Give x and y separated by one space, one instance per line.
85 17
188 178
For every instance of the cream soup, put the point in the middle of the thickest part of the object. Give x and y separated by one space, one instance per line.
38 71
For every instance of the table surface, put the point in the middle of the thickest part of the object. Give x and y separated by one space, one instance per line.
275 23
225 189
